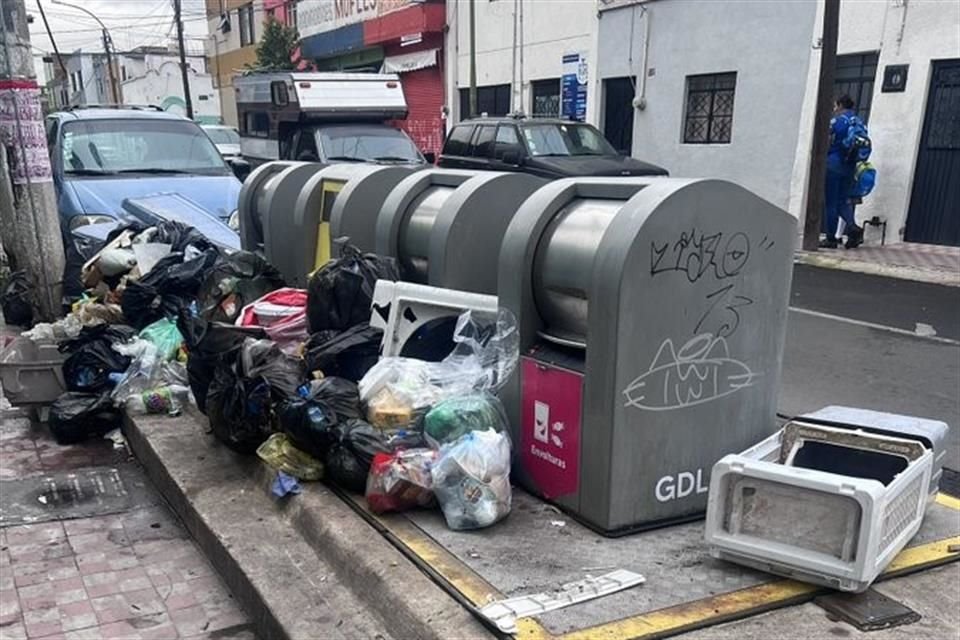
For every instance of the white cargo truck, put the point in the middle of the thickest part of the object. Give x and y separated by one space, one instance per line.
323 117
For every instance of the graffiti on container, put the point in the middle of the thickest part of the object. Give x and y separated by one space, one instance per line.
701 371
696 254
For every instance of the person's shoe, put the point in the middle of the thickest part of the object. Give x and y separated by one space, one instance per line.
854 239
828 243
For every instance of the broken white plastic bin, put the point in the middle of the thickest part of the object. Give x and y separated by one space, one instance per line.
836 530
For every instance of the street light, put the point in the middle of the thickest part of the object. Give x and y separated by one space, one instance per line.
107 39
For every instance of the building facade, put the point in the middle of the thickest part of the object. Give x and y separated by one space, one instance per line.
234 27
152 76
390 36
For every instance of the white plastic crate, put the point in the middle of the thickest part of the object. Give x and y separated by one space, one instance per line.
827 528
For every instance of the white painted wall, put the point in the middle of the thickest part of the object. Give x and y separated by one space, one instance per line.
767 43
163 82
913 32
551 28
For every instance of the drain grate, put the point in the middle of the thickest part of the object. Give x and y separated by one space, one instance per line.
75 494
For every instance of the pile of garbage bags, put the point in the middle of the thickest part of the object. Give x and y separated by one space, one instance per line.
169 320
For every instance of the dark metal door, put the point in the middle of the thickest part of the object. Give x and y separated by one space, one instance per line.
934 215
618 113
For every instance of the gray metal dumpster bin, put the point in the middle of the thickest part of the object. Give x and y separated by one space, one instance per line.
652 314
445 226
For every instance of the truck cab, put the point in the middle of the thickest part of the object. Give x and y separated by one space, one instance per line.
323 117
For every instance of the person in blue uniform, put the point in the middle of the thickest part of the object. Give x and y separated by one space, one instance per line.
840 173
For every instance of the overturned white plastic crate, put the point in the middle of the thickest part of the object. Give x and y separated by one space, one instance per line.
826 501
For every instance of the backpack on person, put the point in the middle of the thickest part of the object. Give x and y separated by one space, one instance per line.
856 143
864 180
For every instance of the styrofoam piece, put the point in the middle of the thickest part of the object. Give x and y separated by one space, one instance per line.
816 526
408 307
505 613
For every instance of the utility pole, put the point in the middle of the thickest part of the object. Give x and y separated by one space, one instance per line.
473 60
821 126
28 205
53 42
183 59
107 40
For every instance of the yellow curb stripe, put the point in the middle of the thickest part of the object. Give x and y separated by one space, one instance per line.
948 501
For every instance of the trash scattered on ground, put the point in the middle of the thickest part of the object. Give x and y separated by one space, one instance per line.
75 417
340 293
401 481
505 613
15 300
116 437
284 485
558 523
471 480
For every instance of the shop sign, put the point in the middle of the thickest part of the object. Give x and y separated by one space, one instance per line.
573 87
319 16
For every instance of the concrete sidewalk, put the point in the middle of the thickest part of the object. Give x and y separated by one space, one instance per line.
906 260
89 550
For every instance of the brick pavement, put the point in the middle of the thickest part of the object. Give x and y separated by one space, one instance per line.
131 575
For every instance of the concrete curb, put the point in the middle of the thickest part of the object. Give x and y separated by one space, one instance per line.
308 567
901 272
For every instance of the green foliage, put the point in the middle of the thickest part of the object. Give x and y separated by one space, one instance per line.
276 47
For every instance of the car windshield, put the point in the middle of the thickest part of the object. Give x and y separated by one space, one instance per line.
130 145
223 135
565 139
371 145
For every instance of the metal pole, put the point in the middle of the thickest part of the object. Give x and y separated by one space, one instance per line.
183 60
473 59
114 92
821 126
53 42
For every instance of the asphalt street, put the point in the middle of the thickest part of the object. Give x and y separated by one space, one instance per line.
840 355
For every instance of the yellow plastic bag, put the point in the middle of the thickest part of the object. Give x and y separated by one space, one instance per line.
278 452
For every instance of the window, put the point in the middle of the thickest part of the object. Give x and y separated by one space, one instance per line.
709 115
76 81
507 141
245 18
546 98
379 144
483 142
566 140
135 144
458 141
123 73
257 124
854 77
292 13
203 97
278 93
493 101
306 147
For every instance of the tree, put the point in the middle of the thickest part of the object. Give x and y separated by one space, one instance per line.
275 51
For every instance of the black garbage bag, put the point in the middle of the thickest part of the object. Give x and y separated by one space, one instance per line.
169 286
310 423
180 236
236 281
15 300
341 395
239 409
340 293
210 344
348 461
283 372
74 417
348 354
92 358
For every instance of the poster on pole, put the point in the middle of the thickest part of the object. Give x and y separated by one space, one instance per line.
573 87
22 132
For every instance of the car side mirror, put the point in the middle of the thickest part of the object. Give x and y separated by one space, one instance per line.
240 168
430 157
512 158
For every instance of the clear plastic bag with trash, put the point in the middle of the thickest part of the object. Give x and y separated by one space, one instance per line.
471 480
486 349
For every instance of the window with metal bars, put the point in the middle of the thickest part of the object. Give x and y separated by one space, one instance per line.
546 98
709 109
854 77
